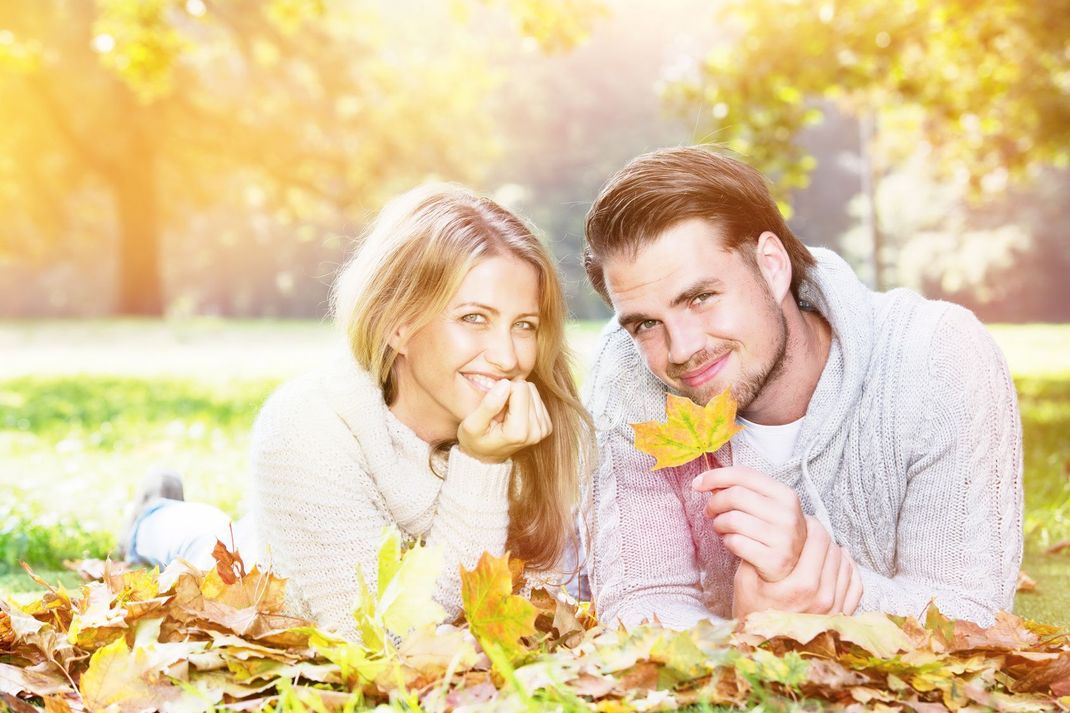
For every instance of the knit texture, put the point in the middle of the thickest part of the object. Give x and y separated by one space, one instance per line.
910 455
332 466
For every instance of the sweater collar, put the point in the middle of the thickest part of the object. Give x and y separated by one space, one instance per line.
837 294
395 457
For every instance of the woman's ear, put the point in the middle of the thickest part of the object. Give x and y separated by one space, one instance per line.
399 338
774 264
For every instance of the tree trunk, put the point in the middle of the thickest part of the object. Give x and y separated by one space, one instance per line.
867 124
140 292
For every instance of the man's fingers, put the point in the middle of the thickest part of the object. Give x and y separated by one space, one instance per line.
815 549
719 478
740 497
843 582
743 523
748 550
854 592
825 597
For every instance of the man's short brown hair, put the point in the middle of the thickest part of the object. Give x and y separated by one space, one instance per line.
660 189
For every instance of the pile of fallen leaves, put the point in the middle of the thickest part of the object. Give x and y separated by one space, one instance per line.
187 640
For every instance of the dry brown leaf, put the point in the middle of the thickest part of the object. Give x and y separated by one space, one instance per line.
1061 546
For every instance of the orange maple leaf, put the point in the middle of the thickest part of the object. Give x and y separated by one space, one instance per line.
495 615
689 432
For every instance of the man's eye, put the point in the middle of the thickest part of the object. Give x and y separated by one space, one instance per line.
645 325
705 296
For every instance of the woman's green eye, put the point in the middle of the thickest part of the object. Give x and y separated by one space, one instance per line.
525 324
473 318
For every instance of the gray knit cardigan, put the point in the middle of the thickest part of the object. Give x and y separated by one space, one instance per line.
910 455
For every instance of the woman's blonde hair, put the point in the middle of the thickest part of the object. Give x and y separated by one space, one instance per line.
410 263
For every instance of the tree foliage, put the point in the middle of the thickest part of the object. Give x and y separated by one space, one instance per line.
129 117
983 87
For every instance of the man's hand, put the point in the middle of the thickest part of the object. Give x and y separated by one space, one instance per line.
825 581
510 417
759 519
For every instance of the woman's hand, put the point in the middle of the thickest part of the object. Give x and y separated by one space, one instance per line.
510 417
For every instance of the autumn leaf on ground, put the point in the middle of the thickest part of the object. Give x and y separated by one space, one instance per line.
689 432
872 631
404 595
122 679
495 615
228 564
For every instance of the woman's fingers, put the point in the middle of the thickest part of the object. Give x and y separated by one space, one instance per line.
515 427
492 404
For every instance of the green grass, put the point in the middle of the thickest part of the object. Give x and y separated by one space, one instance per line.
86 408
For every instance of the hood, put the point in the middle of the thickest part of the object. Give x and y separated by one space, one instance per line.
836 293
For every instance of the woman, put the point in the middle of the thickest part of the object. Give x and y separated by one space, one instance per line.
453 418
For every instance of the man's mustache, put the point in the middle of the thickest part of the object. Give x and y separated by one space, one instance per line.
675 371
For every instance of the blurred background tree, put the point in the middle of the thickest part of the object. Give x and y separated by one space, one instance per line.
146 119
963 99
199 157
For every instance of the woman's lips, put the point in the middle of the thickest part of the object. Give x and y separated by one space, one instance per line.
703 374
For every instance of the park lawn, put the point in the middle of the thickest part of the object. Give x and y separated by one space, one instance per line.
87 408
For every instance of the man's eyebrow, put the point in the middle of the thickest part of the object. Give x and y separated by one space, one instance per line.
631 318
706 284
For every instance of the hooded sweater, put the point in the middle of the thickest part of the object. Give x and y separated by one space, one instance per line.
332 466
909 455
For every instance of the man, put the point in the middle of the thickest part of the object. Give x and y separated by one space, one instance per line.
880 463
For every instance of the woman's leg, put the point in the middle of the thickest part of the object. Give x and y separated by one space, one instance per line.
169 529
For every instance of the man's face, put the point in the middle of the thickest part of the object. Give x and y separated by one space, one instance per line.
703 317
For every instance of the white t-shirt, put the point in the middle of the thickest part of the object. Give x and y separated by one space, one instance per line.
774 443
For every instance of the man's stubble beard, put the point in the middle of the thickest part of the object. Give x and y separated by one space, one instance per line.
750 384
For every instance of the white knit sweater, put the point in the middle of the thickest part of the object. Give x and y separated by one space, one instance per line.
332 466
910 455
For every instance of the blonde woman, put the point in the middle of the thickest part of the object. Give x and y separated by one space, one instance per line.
453 417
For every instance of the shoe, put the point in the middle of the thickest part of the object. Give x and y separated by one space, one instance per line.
159 484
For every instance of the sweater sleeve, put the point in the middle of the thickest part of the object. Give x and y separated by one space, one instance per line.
642 561
472 518
959 535
319 514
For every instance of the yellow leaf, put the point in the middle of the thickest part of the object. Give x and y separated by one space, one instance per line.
112 679
495 615
872 631
406 588
408 599
689 431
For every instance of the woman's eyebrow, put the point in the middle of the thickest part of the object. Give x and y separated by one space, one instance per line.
492 310
478 305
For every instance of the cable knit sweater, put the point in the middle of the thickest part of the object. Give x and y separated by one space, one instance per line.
332 466
909 454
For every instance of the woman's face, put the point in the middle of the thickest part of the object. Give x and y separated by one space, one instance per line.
487 332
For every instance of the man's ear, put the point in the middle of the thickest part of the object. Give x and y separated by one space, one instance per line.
774 265
399 338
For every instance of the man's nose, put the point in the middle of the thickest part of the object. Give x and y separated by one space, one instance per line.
685 338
